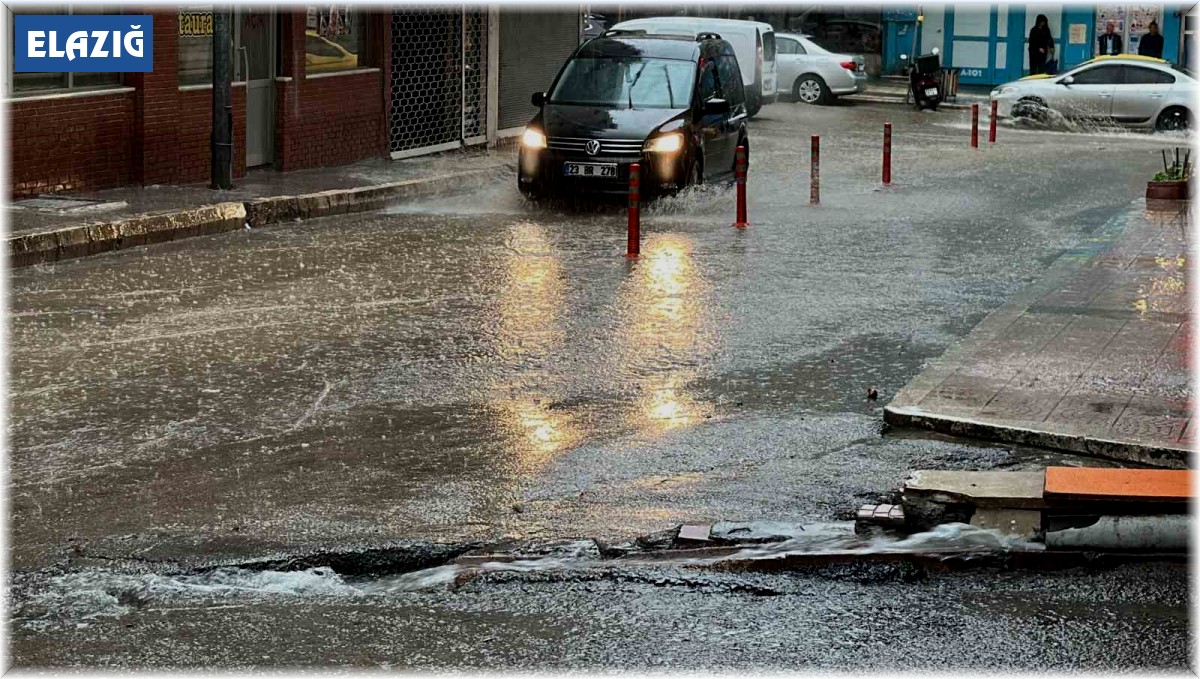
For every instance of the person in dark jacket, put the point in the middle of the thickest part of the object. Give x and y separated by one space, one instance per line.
1110 41
1041 44
1151 44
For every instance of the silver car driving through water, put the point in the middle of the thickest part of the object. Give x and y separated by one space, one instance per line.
1126 89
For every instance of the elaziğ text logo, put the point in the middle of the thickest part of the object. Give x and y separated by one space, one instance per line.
83 43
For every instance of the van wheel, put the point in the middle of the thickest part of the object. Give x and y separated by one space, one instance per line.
753 104
811 89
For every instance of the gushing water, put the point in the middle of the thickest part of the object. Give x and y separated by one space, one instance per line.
79 598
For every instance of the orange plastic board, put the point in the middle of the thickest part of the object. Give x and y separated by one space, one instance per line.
1139 485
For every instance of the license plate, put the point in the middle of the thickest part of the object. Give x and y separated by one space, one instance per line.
931 92
602 170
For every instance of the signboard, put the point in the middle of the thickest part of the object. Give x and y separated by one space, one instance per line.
195 24
1077 34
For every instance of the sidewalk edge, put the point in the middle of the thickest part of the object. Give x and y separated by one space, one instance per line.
81 240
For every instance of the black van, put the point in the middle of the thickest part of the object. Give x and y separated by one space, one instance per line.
673 104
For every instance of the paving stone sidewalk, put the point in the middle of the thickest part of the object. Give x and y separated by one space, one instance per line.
1094 358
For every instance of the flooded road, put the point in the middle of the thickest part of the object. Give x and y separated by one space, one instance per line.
470 366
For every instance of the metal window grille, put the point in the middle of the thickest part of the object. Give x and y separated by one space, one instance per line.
439 80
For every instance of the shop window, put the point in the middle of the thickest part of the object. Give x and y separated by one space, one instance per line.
333 38
195 45
32 84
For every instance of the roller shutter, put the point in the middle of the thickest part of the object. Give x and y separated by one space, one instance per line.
533 46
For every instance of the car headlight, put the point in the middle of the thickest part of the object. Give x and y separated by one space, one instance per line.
667 143
1001 91
533 139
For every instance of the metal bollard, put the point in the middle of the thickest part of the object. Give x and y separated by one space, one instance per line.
887 153
634 245
740 174
992 124
974 126
814 196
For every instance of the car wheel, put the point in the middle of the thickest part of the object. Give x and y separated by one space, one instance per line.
1174 118
753 104
810 89
1030 107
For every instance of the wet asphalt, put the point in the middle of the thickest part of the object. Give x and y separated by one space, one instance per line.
474 367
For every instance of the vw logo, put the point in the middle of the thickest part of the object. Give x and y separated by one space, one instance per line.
592 147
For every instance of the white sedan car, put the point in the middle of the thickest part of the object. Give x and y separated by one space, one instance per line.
1126 89
813 74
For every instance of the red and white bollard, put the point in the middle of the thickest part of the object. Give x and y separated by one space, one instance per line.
887 153
740 175
634 245
992 124
974 126
814 194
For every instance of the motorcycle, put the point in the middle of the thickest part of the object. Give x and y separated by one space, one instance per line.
924 82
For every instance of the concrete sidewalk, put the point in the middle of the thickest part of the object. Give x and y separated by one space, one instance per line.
1092 359
893 91
48 230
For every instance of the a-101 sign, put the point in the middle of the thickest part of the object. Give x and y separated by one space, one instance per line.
970 72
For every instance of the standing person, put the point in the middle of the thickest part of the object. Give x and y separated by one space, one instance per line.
1110 42
1041 44
1151 44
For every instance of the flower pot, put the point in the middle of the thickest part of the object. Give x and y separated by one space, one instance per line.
1172 190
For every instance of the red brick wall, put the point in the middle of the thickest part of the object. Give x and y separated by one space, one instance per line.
333 120
160 135
194 131
70 143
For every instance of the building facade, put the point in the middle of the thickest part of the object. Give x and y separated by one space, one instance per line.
314 86
988 43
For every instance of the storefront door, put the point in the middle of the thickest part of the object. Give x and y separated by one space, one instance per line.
1132 22
255 64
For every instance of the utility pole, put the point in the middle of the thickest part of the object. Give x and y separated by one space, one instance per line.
221 146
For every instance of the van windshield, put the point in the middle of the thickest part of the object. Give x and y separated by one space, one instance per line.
625 82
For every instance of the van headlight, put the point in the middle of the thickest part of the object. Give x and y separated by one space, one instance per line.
666 143
533 139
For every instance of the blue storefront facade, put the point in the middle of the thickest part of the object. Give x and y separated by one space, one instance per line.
988 42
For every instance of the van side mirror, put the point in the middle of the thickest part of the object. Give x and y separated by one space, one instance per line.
716 107
538 99
1067 80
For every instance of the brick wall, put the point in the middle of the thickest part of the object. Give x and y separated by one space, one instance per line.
331 120
159 134
70 143
194 131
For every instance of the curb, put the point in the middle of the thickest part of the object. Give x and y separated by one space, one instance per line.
899 100
82 240
1157 456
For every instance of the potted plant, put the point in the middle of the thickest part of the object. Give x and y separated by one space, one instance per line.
1175 180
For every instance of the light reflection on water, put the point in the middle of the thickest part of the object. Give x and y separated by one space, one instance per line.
663 301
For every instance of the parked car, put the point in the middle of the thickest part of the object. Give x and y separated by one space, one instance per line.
815 75
753 42
323 54
674 104
1127 89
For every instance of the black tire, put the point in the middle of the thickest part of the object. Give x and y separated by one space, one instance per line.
1030 107
753 103
696 175
1173 119
810 89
